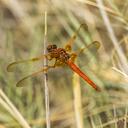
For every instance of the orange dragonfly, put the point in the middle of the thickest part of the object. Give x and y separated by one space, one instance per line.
62 56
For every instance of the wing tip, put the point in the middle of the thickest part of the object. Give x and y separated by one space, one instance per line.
84 24
8 69
19 85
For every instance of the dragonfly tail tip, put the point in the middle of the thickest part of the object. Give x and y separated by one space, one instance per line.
98 89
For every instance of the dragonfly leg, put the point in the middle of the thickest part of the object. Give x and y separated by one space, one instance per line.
73 56
68 46
48 67
45 69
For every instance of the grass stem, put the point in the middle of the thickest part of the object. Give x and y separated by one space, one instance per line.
77 101
46 77
7 104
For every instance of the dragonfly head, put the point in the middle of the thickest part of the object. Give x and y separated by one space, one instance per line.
52 47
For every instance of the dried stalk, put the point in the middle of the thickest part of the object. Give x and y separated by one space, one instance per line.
112 35
46 77
77 101
8 105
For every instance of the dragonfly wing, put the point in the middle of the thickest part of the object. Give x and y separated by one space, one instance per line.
92 48
22 82
82 75
11 67
70 42
88 53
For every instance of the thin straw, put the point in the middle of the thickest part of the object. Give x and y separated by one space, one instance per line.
112 35
46 77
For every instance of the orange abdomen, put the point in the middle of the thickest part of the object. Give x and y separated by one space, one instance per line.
80 73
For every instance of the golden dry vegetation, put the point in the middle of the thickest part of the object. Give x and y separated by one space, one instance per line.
73 104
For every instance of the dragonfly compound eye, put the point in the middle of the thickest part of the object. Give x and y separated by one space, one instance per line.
54 46
50 48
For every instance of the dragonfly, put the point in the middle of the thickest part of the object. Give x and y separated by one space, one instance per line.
62 56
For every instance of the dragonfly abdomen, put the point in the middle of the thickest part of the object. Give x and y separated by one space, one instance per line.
83 75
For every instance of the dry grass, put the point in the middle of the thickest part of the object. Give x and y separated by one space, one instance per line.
21 37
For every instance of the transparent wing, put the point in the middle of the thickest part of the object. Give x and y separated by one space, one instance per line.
23 82
69 43
86 54
11 67
92 48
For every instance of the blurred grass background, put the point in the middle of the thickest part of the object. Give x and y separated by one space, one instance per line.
21 37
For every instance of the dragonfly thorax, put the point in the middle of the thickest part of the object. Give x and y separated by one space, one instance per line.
58 53
63 55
